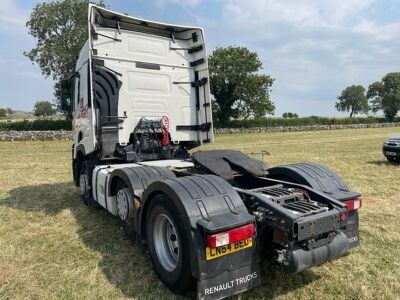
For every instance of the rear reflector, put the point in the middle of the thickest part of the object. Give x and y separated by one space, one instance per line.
230 236
353 204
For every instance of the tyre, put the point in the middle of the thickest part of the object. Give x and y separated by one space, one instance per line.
85 184
76 169
391 158
125 210
168 243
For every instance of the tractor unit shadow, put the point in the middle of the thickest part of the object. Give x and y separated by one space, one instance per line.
126 267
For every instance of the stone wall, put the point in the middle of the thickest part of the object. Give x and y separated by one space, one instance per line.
35 135
65 135
302 128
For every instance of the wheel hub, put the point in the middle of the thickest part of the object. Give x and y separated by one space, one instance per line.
123 200
83 184
166 242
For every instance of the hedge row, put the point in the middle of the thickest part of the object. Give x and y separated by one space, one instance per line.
42 125
303 121
37 125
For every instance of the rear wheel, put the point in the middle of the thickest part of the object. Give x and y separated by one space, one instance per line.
126 210
168 243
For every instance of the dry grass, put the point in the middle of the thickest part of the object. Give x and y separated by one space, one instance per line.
51 246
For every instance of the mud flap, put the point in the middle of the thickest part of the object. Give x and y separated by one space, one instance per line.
229 283
351 230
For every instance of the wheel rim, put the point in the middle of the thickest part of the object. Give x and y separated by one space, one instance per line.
83 184
166 242
122 203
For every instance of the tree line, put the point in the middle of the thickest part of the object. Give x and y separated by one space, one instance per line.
5 112
381 95
40 109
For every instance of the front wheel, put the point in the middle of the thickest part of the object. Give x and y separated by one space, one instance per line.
85 184
168 243
391 158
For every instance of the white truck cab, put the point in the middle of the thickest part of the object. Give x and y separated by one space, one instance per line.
140 90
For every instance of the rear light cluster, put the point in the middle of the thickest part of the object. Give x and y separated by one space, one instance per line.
353 204
230 236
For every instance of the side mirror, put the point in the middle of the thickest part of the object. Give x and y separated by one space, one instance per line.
66 104
65 84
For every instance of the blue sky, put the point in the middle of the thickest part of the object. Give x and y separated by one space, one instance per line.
313 48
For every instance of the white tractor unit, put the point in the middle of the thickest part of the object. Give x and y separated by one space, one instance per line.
140 101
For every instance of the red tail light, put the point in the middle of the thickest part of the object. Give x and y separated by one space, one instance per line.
353 204
230 236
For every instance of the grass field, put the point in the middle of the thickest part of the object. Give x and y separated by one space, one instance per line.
52 246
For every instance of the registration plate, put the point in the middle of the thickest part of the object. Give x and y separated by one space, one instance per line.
212 253
390 153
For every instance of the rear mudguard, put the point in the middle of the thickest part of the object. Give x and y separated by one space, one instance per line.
209 204
316 176
325 180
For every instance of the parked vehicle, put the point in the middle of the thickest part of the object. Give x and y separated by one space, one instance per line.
391 148
140 101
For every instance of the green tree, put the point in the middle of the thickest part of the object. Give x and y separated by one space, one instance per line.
3 112
238 88
9 112
289 115
353 100
385 95
43 109
60 30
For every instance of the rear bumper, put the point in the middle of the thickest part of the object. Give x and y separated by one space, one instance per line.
346 238
300 259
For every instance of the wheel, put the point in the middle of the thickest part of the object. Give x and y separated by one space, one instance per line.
125 210
168 243
391 158
76 169
85 184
